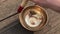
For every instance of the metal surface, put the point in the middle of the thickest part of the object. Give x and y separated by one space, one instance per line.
37 9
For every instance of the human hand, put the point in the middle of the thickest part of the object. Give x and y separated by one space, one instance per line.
53 4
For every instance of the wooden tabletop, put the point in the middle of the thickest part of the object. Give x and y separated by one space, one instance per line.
8 7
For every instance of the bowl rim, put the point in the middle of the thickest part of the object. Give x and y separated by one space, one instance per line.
30 28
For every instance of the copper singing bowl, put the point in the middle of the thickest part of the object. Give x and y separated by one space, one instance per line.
33 18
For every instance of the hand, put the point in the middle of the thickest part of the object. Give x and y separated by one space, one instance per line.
39 1
53 4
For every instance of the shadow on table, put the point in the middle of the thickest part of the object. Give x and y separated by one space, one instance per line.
16 29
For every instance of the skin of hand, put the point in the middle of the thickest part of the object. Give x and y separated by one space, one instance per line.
53 4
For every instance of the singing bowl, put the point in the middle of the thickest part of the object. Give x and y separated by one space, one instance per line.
26 22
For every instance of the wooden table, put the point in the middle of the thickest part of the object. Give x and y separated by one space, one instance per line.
9 7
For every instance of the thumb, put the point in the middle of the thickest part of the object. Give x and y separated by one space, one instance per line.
39 1
36 1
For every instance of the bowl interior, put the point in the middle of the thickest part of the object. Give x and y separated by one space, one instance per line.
33 17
